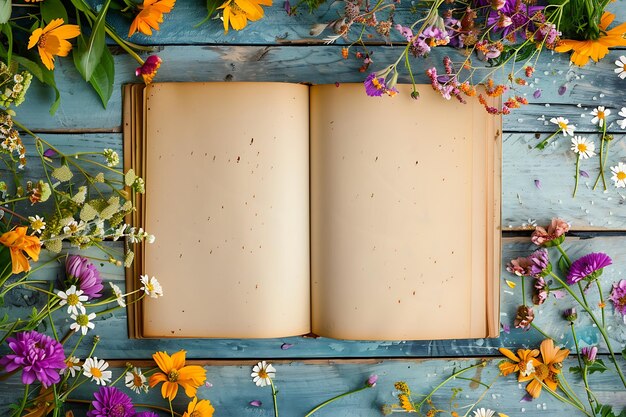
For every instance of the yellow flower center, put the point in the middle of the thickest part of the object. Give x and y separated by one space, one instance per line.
172 376
72 299
377 84
37 224
97 373
621 175
82 320
263 374
42 41
582 147
624 67
137 381
542 371
150 287
600 115
563 125
196 413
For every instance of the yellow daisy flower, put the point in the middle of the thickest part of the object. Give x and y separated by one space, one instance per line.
238 12
52 40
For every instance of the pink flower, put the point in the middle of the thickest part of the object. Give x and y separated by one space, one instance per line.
553 236
149 68
618 296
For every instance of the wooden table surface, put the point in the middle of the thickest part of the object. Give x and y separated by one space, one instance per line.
279 48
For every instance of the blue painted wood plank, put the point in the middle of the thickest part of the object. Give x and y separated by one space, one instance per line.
81 109
112 327
304 384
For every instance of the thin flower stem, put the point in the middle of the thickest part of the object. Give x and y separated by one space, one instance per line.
582 292
534 326
580 362
171 409
584 371
567 389
563 399
19 412
603 157
541 145
488 387
600 328
601 301
445 381
523 291
577 175
274 399
325 403
567 259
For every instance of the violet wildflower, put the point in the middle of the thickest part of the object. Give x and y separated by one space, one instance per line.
524 317
554 236
371 381
618 296
588 267
111 402
40 357
375 85
589 354
539 263
406 32
82 273
570 314
522 18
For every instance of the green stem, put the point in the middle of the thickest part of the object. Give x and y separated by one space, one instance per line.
534 326
445 381
582 293
601 302
544 143
600 328
564 400
567 259
584 371
274 399
325 403
577 175
602 158
171 409
23 404
523 291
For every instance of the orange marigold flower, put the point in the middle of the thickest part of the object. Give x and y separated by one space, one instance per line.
175 373
524 362
202 408
52 40
547 371
595 49
238 12
150 15
19 243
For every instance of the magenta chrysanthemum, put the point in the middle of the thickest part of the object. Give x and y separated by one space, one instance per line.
146 414
84 275
111 402
618 296
589 266
40 357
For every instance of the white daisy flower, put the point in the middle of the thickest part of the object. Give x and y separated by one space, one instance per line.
71 366
37 223
483 412
136 381
119 296
582 147
622 122
151 286
621 67
599 115
119 232
95 369
73 227
74 300
262 374
564 125
619 175
82 322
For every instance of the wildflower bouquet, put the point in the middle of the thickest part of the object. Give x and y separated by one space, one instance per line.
66 211
506 35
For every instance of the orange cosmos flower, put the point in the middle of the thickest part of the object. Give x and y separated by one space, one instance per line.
18 242
547 371
52 40
238 12
595 49
175 373
150 16
524 363
202 408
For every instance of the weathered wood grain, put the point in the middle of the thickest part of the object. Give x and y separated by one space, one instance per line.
303 385
114 344
82 111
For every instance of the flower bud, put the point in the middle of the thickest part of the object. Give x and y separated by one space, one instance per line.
371 381
589 354
570 314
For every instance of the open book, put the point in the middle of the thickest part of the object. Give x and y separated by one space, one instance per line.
283 209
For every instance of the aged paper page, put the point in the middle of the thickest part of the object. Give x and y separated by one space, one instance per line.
227 197
402 235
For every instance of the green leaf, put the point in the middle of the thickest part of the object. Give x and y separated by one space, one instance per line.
80 5
211 7
89 53
563 265
31 66
8 32
606 411
597 366
53 9
48 79
103 77
5 10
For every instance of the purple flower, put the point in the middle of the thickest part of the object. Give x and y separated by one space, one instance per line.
520 16
618 296
539 263
588 267
376 86
570 314
146 414
589 354
371 381
50 153
40 357
406 32
255 403
84 275
111 402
